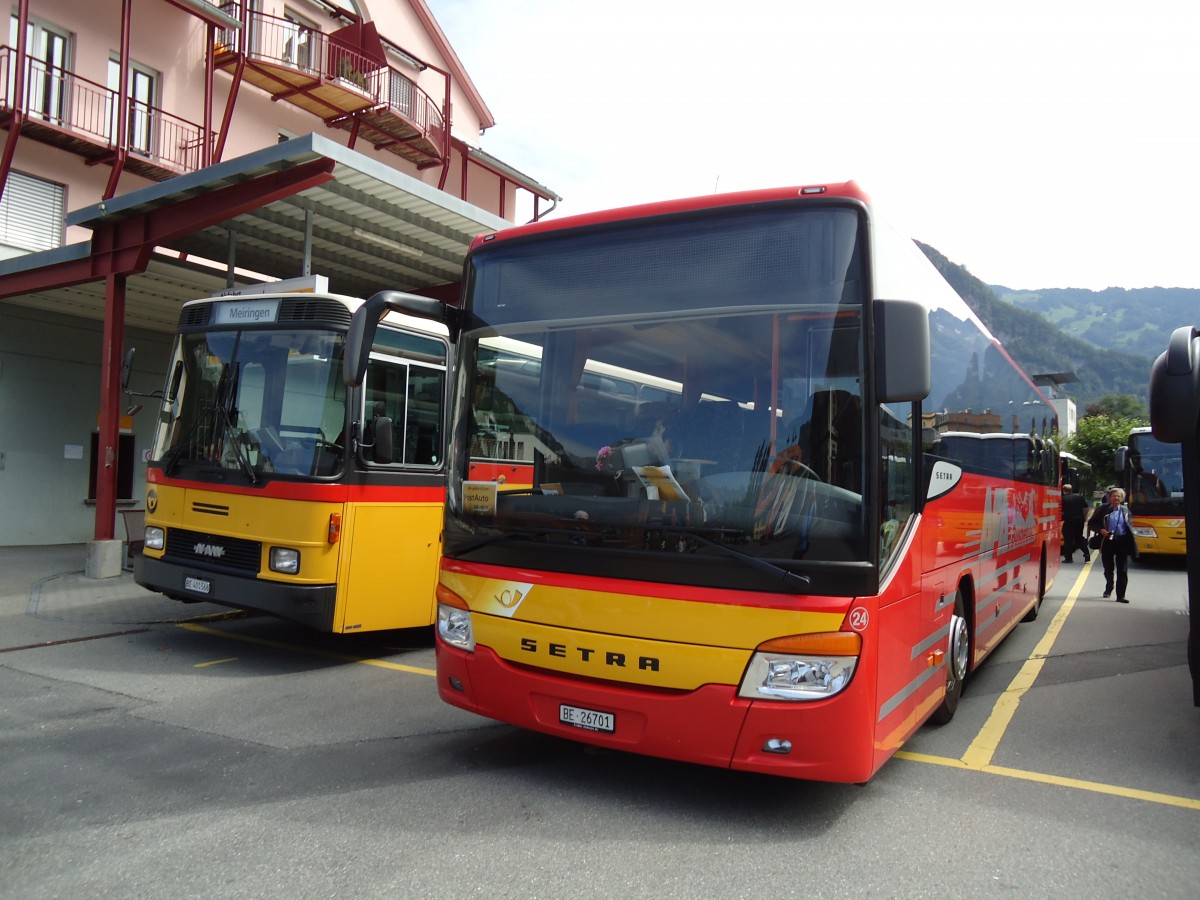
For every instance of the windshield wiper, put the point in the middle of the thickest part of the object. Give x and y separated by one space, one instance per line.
787 576
227 389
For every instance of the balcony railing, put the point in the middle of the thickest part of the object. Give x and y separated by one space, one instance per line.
68 110
304 66
315 71
413 104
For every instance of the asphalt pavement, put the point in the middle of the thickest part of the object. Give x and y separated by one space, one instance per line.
153 748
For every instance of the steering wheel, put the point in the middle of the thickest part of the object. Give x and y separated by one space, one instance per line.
787 462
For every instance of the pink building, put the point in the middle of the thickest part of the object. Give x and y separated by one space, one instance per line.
157 150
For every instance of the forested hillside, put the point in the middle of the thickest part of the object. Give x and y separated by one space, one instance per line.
1137 321
1038 345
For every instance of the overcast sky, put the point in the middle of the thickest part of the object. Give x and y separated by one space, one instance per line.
1039 143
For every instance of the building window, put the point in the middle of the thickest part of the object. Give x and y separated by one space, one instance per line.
298 40
141 118
31 214
46 78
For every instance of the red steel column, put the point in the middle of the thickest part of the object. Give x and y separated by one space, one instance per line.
110 406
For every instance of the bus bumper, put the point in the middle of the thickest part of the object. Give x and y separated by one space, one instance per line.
311 605
711 725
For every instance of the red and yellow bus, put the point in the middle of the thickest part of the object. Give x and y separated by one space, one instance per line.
273 487
1152 474
745 564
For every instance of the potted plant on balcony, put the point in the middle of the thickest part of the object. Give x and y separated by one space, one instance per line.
348 74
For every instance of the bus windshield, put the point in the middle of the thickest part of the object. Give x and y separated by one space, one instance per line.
1155 475
255 402
682 424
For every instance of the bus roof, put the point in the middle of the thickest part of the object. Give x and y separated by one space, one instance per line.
845 189
413 323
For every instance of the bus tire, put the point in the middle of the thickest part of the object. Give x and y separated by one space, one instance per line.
1032 615
958 662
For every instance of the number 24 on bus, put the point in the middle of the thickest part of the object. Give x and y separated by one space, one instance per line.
782 489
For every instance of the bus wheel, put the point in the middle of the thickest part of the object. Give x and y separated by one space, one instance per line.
1033 612
956 664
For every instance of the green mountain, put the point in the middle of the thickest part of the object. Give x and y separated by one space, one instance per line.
1137 320
1038 344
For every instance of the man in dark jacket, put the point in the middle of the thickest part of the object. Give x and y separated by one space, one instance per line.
1114 524
1074 514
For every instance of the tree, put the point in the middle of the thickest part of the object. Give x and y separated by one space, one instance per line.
1096 441
1118 406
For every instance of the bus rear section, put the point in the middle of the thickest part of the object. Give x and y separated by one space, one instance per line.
274 488
726 548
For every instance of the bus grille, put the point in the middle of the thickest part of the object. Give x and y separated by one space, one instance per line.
213 551
324 312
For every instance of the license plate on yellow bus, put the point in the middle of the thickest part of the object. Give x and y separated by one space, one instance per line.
589 719
198 585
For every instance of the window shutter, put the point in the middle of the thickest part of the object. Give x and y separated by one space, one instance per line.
31 213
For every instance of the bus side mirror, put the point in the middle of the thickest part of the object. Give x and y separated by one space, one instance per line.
176 378
126 369
365 322
1120 459
902 365
384 451
1175 388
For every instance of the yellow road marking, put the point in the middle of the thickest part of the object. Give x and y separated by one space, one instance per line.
295 648
215 662
980 753
978 757
1080 784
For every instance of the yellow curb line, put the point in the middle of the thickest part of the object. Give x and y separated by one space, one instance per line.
978 757
278 645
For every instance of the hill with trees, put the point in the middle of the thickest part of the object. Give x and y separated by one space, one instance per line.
1038 344
1138 321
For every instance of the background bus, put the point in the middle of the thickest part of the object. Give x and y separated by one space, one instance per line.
1078 473
272 487
1152 474
748 569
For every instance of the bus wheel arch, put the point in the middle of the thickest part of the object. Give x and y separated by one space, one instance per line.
959 653
1041 590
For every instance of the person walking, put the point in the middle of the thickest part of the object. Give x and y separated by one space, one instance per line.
1115 527
1074 516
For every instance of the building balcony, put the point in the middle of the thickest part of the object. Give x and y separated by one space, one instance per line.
337 82
408 123
66 110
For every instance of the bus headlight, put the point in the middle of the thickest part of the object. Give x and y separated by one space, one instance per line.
454 627
1144 531
454 619
802 667
155 537
284 560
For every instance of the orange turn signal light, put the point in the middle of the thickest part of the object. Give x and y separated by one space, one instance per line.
827 643
447 597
